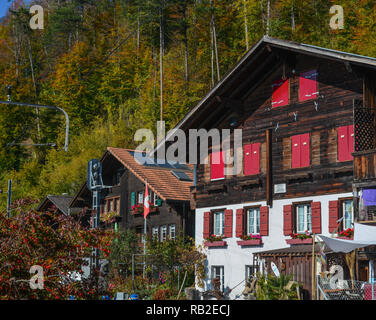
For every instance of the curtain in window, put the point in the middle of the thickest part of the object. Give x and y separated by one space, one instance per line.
348 213
300 221
218 223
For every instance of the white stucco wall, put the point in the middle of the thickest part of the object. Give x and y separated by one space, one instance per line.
234 258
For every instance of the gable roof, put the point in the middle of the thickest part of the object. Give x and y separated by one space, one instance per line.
61 202
250 63
159 178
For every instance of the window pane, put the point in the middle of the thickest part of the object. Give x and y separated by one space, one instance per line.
300 220
309 219
219 223
251 221
257 220
348 214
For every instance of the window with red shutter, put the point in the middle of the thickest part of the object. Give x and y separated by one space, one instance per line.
300 151
207 224
264 221
333 215
228 224
251 159
217 166
316 217
287 219
345 143
308 85
280 93
239 230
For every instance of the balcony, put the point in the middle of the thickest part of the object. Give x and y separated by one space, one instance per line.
364 144
364 167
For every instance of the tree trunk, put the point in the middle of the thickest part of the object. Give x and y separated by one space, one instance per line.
161 43
246 25
34 83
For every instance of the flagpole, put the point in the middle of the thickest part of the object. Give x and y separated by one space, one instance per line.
146 190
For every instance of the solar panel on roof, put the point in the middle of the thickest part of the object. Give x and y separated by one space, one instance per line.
182 176
152 162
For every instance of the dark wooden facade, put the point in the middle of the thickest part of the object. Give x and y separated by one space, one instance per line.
259 122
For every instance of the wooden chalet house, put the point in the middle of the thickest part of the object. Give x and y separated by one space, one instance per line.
122 204
295 104
58 204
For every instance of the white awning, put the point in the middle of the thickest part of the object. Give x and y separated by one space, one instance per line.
364 236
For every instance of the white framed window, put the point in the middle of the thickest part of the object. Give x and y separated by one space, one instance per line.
249 272
253 221
219 272
140 197
348 216
155 232
303 218
155 199
163 233
219 223
172 231
117 205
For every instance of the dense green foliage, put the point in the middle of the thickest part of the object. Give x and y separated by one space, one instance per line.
100 61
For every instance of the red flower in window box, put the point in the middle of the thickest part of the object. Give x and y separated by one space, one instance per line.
250 240
300 238
346 234
215 241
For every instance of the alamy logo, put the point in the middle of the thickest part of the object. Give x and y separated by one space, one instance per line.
37 20
177 150
337 20
37 280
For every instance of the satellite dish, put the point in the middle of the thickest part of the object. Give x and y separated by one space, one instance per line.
275 269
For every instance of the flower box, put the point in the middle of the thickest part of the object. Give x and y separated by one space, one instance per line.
215 244
253 242
299 241
345 238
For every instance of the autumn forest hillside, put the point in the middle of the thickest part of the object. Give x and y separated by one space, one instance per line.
113 65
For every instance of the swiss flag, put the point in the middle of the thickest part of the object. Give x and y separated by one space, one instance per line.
146 202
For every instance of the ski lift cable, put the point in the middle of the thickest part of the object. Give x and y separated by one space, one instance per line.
46 107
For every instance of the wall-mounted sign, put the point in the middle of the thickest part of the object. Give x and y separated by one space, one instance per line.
275 269
280 188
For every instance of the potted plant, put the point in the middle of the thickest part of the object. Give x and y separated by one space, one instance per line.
300 238
215 241
347 234
250 240
109 217
139 208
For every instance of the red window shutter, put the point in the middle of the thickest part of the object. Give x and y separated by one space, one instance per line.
295 151
264 221
287 219
316 217
300 151
206 224
308 85
251 159
239 222
351 141
217 169
228 224
280 93
343 143
333 215
305 151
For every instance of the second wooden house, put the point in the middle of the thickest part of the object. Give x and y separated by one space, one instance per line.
122 203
